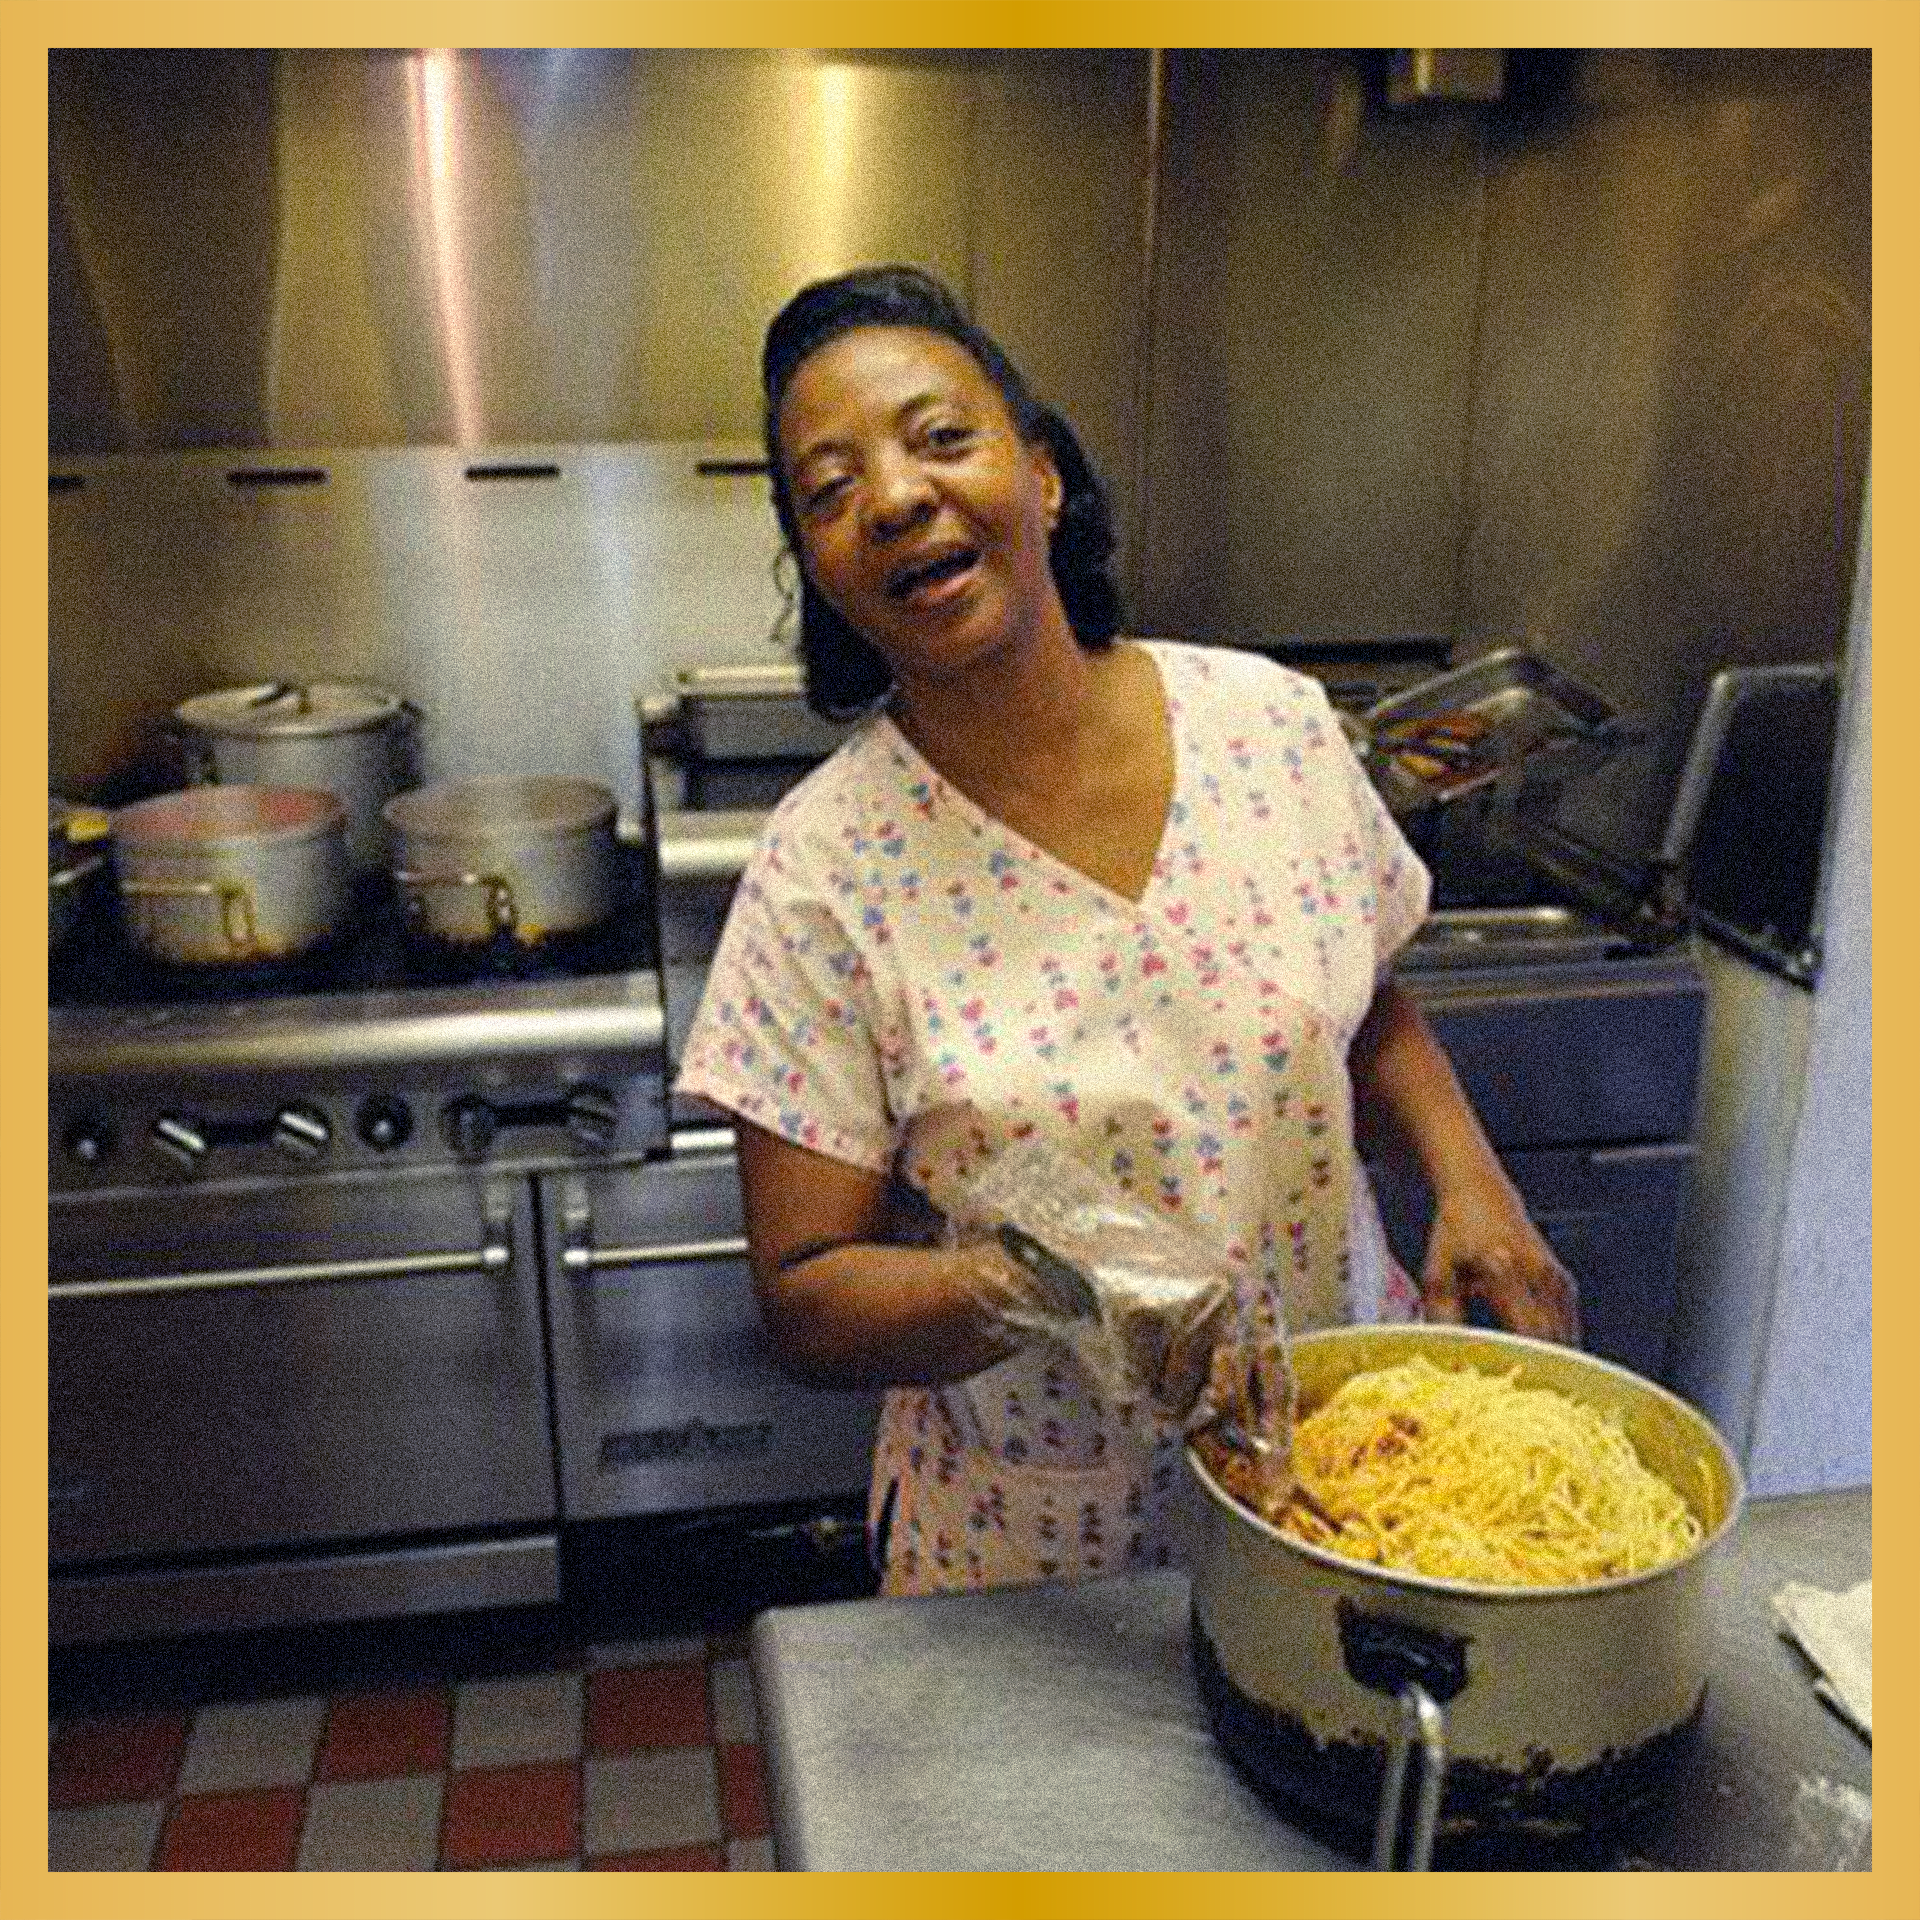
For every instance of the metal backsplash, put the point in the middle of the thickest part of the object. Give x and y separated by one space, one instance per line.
523 609
1586 367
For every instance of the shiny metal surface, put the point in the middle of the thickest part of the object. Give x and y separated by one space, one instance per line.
522 617
522 1571
1669 434
493 1257
1510 936
702 845
232 1419
667 1395
1585 367
481 247
616 1014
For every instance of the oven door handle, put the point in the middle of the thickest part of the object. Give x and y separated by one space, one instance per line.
495 1255
579 1259
582 1259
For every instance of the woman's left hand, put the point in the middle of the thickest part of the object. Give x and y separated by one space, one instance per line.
1484 1247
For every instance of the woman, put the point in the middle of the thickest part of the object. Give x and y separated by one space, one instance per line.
1136 898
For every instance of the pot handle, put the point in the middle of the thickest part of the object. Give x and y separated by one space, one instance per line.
237 924
502 914
1421 1669
1421 1719
194 752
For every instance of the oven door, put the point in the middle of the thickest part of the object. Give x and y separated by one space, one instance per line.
268 1369
667 1396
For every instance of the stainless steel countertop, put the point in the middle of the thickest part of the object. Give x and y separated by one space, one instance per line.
1057 1728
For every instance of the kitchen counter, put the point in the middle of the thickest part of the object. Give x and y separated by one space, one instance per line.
1057 1728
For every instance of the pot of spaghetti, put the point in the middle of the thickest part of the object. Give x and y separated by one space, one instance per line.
1487 1580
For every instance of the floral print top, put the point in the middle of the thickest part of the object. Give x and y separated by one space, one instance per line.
893 950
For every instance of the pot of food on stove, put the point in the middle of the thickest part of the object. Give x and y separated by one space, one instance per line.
1473 1610
342 736
526 859
226 875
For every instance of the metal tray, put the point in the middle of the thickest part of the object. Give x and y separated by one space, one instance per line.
1511 708
753 713
1510 936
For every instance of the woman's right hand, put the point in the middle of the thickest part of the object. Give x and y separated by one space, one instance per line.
845 1303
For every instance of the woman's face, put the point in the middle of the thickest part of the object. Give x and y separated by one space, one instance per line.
924 517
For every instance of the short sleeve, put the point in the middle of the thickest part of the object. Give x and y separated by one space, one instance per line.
1401 886
786 1032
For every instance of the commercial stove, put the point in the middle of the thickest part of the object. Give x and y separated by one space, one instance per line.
376 1277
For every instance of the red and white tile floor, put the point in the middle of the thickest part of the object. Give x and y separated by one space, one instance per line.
630 1756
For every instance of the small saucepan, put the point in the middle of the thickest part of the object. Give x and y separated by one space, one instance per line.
525 859
217 876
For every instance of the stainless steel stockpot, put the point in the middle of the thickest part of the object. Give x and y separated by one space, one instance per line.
342 736
1545 1711
527 858
223 875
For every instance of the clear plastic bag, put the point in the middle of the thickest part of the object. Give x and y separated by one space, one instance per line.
1141 1302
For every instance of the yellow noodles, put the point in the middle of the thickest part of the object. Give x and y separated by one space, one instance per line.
1466 1476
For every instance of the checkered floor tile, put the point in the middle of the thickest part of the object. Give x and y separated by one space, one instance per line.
641 1756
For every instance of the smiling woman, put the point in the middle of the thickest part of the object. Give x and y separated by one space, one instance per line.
1131 897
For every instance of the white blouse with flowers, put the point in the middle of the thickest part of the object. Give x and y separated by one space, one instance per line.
893 951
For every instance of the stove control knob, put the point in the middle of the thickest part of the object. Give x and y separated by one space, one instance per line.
88 1141
593 1118
384 1123
468 1126
182 1138
302 1132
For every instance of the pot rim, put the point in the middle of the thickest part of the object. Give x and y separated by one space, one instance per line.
1519 1346
501 806
209 819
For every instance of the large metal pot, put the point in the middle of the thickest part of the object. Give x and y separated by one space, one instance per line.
528 859
222 875
341 736
1544 1712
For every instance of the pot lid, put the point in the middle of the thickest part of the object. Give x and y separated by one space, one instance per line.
277 709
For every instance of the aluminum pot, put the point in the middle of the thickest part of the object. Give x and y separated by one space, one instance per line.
341 736
1543 1712
225 875
528 859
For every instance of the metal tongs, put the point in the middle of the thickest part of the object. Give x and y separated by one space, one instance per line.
1254 1415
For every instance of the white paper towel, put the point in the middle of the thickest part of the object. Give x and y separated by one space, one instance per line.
1836 1629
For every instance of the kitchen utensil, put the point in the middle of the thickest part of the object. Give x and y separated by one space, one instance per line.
341 736
1560 1709
527 859
217 875
1468 729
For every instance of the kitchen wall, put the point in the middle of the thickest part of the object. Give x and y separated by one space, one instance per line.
1586 367
1773 1331
372 262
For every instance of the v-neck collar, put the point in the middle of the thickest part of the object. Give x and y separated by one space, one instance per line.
977 815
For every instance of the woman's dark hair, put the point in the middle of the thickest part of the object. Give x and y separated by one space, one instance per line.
844 672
